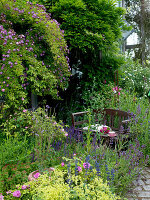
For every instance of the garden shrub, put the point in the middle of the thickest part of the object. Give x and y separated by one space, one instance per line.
12 151
135 77
28 123
92 30
54 187
33 53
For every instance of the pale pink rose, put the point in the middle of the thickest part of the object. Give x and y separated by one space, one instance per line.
1 196
9 192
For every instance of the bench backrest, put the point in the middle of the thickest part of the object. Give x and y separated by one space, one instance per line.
110 117
78 118
114 118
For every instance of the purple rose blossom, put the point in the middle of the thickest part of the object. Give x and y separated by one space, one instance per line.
17 193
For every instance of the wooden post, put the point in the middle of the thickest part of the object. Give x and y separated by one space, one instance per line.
34 101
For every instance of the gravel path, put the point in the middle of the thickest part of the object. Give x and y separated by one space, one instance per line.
141 187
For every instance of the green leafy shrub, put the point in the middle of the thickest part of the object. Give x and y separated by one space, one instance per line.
54 187
30 123
12 174
12 152
135 77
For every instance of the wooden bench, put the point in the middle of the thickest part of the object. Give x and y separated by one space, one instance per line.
110 117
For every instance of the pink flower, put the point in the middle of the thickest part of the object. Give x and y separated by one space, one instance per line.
62 164
74 154
36 175
118 93
25 110
86 165
9 192
3 90
26 127
1 196
24 187
66 134
17 193
22 99
105 128
79 169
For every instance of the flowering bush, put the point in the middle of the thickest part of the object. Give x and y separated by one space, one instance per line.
54 187
33 53
12 174
135 77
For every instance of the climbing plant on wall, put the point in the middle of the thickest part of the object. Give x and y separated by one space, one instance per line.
33 53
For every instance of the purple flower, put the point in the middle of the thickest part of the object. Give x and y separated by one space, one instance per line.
1 72
24 187
79 169
86 165
17 193
62 164
10 63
